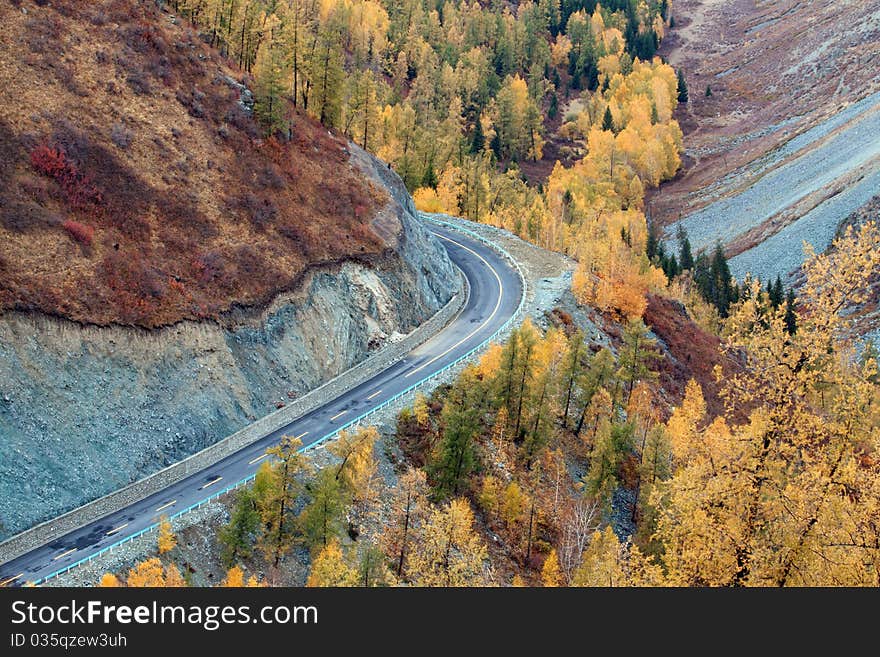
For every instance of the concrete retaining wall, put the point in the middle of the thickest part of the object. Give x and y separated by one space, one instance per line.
57 527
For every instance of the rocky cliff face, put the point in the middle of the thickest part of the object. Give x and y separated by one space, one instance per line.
85 409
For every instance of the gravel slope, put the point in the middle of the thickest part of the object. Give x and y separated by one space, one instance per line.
811 162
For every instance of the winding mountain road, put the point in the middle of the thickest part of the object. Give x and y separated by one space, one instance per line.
495 293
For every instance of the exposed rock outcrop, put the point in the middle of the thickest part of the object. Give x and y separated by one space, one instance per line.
85 409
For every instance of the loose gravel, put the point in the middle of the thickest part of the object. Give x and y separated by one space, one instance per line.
829 151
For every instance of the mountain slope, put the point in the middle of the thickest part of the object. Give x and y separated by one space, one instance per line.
166 276
135 186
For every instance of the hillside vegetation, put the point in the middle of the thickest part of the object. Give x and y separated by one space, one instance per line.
136 186
555 461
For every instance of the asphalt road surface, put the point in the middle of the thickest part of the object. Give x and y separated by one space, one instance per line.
495 292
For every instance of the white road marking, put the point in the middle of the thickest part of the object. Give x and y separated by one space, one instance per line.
64 554
165 506
211 483
304 433
378 392
481 326
10 580
340 414
259 458
113 531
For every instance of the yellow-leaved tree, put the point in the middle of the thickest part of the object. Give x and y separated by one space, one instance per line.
551 574
790 496
167 540
330 568
450 552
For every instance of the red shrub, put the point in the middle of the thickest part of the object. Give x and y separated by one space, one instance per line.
48 161
82 233
81 193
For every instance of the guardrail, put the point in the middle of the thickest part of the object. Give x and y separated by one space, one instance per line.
354 422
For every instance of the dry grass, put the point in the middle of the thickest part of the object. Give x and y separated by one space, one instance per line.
692 353
166 204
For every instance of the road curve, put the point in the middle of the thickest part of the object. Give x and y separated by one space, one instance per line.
495 293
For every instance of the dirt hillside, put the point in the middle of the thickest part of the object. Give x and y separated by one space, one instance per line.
136 188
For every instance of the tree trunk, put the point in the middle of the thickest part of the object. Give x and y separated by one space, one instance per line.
405 536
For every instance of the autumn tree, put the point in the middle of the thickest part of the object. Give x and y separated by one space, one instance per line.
109 580
600 374
148 573
579 520
372 568
600 565
358 468
269 82
322 518
167 540
636 354
575 364
173 578
610 446
329 568
450 552
551 575
277 486
409 508
517 121
234 578
788 496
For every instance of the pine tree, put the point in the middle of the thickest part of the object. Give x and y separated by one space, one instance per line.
708 91
778 294
682 87
238 535
608 120
714 282
456 455
686 256
429 179
790 315
478 139
670 267
653 243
